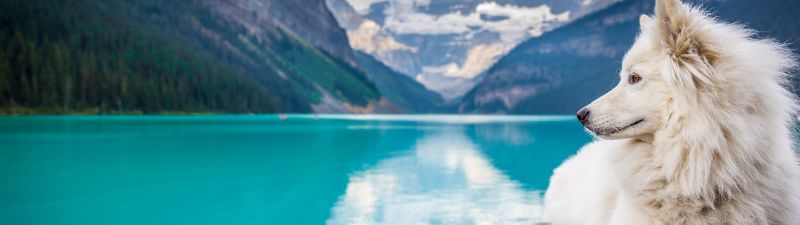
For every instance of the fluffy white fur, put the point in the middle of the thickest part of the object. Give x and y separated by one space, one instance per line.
703 137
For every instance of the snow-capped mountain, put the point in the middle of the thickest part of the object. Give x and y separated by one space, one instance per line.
447 44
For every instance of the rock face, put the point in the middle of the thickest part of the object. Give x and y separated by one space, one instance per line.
299 40
309 19
567 68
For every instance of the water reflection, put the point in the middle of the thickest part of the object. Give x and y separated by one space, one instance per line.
512 134
445 179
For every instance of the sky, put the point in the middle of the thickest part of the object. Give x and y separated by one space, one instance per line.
447 44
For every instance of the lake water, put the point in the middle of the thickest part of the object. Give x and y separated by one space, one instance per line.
328 169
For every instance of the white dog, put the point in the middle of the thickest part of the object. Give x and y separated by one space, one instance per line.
698 132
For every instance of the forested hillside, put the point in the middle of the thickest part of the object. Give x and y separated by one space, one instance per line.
160 56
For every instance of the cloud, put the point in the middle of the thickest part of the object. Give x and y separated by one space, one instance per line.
369 38
516 24
362 6
521 20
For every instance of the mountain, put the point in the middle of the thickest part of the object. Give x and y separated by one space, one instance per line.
447 44
309 19
366 36
399 89
162 56
565 69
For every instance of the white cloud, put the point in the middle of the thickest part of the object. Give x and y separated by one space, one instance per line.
519 22
362 6
422 2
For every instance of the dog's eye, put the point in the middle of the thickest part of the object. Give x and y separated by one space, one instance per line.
634 78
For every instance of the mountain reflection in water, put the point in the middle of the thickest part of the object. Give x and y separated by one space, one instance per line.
445 179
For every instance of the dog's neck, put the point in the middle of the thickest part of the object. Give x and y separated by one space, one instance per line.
701 155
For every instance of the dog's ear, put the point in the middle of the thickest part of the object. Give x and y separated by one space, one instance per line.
678 28
644 22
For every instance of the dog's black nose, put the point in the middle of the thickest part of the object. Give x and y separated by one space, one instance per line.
583 115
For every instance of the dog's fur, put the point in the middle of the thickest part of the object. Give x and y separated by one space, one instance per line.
703 138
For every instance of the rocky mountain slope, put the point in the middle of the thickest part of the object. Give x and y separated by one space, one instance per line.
309 19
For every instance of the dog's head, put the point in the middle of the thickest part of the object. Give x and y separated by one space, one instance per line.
670 51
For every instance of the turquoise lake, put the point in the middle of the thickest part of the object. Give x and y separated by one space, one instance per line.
303 169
